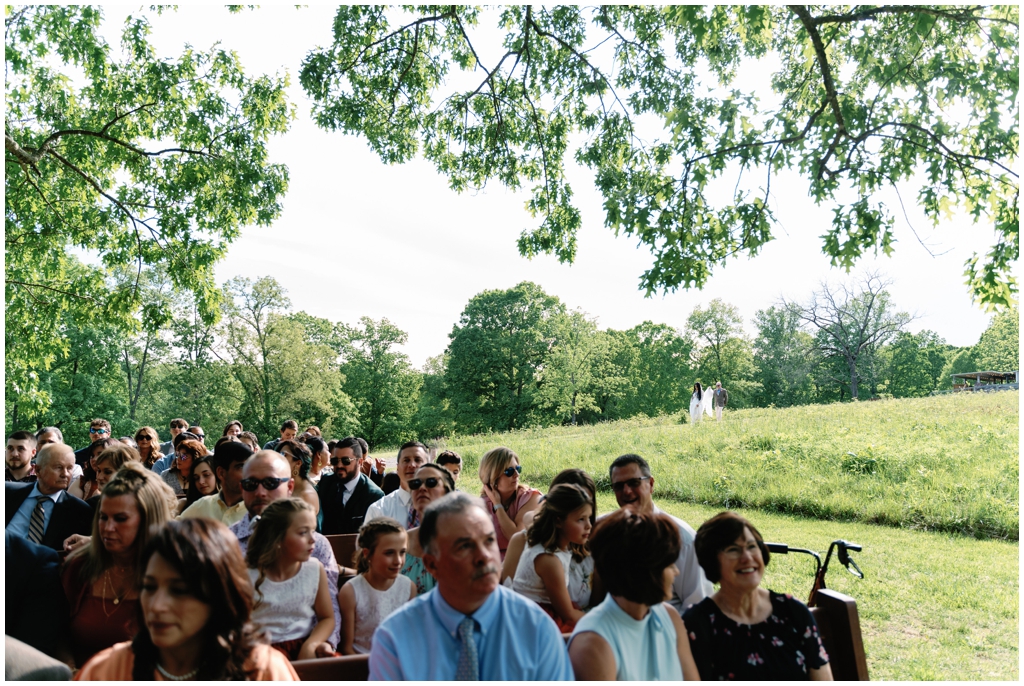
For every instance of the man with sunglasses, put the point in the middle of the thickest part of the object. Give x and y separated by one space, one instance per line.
346 494
266 477
99 429
398 504
633 485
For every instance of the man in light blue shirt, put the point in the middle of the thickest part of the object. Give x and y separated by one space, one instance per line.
469 627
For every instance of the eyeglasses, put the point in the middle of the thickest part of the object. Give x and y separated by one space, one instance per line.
431 482
99 431
509 471
632 483
270 483
735 552
344 460
201 437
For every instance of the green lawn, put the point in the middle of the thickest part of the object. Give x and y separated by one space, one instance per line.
916 482
945 463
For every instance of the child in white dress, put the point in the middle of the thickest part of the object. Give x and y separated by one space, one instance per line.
379 589
543 574
292 600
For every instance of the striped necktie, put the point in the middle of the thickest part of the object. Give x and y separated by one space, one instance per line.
469 662
35 524
414 519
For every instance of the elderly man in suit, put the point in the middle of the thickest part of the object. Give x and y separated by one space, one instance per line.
346 494
721 398
42 512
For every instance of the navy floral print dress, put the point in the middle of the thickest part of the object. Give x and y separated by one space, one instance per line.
784 646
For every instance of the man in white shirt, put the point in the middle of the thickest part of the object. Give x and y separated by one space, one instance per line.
633 486
398 504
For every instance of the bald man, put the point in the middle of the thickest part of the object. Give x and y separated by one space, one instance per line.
266 477
42 511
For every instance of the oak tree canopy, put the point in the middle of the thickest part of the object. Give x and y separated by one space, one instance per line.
869 98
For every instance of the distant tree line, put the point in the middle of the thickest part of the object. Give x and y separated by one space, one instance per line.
516 358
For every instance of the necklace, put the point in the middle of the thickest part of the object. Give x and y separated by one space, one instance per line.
172 677
103 594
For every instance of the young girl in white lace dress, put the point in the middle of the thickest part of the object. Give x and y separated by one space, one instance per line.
292 598
379 589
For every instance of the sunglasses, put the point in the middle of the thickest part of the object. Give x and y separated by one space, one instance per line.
632 483
201 437
99 431
518 469
343 460
431 482
269 483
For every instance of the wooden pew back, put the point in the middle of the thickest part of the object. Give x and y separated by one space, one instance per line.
839 626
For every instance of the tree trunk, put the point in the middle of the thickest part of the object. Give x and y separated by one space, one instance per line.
852 364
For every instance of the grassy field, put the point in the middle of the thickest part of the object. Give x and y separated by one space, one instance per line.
946 463
916 482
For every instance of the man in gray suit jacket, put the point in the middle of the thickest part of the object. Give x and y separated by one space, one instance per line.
721 398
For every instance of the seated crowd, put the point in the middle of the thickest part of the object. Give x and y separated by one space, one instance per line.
136 559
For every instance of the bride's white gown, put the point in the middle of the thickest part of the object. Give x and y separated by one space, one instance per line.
699 408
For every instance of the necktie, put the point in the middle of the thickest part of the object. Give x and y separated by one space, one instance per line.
414 519
35 524
469 664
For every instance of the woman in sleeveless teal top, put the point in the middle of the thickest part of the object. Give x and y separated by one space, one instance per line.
633 635
644 650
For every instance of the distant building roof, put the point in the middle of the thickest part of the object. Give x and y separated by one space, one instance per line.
987 376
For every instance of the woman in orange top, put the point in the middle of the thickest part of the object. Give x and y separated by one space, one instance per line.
195 604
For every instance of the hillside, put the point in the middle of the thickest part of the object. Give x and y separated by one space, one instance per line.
945 463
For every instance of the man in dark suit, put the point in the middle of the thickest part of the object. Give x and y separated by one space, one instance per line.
42 512
36 607
346 494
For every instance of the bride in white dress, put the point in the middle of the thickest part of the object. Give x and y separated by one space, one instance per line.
700 403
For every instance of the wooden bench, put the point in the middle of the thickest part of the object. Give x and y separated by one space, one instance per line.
839 626
345 668
836 615
344 546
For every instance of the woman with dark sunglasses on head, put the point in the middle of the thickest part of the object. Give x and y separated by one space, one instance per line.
508 499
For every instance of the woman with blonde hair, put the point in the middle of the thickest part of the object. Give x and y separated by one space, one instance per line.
148 441
508 499
99 578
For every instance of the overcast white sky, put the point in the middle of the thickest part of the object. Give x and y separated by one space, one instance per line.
359 238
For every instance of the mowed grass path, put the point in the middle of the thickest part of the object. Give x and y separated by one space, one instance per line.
945 463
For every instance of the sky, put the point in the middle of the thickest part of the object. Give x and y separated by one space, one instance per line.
360 238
